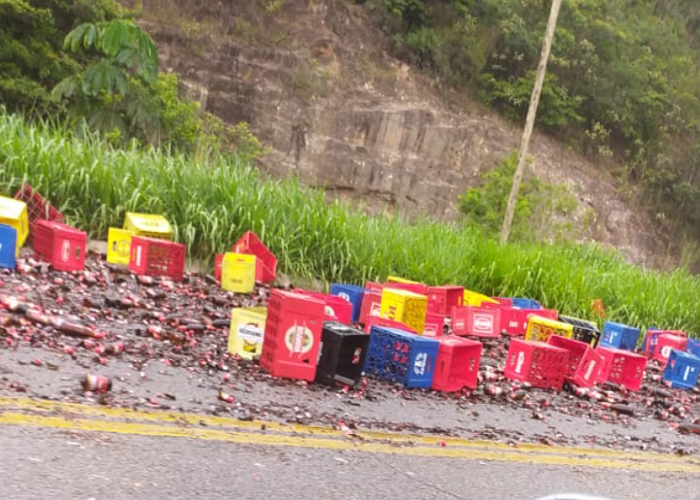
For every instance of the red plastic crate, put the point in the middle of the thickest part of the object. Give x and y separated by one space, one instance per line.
622 367
61 245
389 323
371 305
457 364
542 365
476 321
514 321
37 207
336 308
266 262
441 299
584 364
156 257
434 325
666 343
292 335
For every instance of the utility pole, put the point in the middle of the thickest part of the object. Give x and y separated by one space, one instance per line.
530 121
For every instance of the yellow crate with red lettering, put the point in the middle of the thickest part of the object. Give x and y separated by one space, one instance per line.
404 306
477 299
539 329
148 225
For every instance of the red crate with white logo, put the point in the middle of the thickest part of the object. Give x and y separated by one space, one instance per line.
265 262
476 321
61 245
157 257
622 367
371 305
652 337
292 335
514 321
336 308
388 323
584 364
441 299
457 364
542 365
434 325
666 343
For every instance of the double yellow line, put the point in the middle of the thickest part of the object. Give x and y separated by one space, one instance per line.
55 415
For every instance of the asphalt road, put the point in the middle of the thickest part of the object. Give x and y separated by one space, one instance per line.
80 452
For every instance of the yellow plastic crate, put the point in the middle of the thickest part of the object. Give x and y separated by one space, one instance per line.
404 306
148 225
119 245
396 279
247 331
238 272
539 329
14 213
476 299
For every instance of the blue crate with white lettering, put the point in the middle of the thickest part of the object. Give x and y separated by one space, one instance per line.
693 347
682 370
8 246
523 303
353 294
399 356
619 336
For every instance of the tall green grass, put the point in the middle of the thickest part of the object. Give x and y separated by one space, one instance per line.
211 204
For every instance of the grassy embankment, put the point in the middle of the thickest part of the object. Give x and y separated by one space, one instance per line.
212 204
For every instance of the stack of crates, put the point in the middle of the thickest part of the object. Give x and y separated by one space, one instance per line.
441 299
682 370
155 257
61 245
404 306
8 246
622 367
342 354
135 224
398 356
476 321
619 336
665 344
37 207
247 331
353 294
542 365
238 272
292 335
584 331
584 364
457 364
13 213
266 262
540 329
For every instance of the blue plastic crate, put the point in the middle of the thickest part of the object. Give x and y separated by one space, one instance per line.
399 356
682 370
693 347
523 303
8 246
619 336
353 294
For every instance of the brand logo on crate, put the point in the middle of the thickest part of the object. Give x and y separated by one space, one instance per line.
589 371
666 351
138 255
329 311
376 310
483 323
519 363
299 339
250 332
344 295
420 363
688 371
65 251
430 330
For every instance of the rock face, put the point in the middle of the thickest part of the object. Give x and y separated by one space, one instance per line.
314 81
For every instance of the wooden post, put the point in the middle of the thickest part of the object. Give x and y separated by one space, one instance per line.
530 121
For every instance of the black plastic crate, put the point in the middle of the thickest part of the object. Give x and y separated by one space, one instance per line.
584 331
342 354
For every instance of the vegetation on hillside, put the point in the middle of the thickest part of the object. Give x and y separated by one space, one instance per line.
623 79
212 203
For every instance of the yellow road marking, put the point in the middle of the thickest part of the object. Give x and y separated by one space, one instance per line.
164 417
24 420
